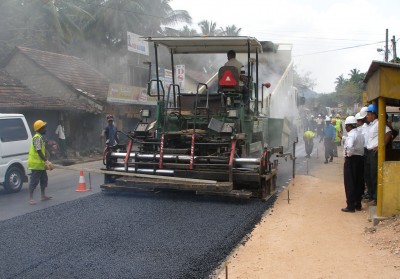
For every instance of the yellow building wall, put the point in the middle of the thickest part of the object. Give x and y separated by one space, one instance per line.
391 189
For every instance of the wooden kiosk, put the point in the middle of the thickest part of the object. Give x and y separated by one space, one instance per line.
383 88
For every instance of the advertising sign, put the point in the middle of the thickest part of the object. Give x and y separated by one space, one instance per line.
121 93
180 76
137 44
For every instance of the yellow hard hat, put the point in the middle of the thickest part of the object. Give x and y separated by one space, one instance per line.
333 120
38 124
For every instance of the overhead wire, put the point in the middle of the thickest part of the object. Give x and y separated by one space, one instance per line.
338 49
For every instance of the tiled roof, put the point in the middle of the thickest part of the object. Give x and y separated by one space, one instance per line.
15 95
72 71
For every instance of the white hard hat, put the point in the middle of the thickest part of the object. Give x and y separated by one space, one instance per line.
358 116
327 118
363 112
350 120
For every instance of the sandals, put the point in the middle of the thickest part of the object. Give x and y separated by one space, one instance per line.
32 202
46 198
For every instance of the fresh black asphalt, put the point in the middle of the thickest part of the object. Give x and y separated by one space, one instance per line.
139 235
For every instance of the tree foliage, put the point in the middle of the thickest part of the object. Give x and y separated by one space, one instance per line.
348 91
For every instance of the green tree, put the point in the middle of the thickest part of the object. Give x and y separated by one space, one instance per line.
114 18
340 81
209 28
230 30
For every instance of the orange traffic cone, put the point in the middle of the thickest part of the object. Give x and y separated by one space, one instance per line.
82 183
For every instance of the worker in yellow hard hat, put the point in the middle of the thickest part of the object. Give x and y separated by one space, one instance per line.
38 163
308 138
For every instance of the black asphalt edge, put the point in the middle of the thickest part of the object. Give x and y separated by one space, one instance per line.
221 265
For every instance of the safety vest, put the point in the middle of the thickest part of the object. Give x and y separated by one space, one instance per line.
309 134
338 127
34 160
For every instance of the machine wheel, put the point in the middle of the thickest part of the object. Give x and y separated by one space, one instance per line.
13 180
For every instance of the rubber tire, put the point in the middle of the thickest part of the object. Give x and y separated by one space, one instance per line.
14 180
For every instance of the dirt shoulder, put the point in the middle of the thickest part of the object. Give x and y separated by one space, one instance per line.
310 237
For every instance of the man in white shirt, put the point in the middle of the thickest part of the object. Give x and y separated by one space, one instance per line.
232 61
372 152
362 127
60 132
353 151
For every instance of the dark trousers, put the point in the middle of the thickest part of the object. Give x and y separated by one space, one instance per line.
36 177
63 147
371 173
309 144
328 143
352 183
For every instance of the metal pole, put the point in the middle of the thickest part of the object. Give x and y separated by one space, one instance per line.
90 183
381 152
387 46
294 156
394 50
157 73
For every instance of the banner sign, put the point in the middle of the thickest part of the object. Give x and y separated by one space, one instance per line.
137 44
121 93
180 76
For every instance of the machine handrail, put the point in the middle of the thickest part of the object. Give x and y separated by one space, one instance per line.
159 82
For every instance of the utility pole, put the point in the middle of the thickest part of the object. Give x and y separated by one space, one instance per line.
394 50
387 46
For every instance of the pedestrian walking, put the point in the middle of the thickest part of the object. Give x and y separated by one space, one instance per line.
60 132
38 163
308 138
329 134
353 151
109 133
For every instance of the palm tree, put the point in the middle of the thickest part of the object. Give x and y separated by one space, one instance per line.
58 18
115 18
340 81
230 30
209 28
187 31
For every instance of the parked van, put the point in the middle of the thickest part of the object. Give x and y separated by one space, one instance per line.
15 141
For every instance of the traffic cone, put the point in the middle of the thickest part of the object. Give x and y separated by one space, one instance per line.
82 184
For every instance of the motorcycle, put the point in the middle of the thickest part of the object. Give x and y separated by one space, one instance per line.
52 149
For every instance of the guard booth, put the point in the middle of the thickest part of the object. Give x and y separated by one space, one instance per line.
383 88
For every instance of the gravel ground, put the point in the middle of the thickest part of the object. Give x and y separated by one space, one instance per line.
140 235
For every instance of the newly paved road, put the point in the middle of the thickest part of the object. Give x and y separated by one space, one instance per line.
139 235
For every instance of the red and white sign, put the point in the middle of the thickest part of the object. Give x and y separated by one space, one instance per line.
180 76
137 44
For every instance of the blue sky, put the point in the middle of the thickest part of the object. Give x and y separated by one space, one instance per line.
329 37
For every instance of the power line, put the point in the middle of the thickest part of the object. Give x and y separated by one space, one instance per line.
331 50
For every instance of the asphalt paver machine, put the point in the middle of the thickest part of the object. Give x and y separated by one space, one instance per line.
210 141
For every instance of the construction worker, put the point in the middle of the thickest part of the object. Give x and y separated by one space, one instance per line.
308 138
339 129
232 61
353 151
320 124
110 132
329 134
363 129
371 169
334 146
38 163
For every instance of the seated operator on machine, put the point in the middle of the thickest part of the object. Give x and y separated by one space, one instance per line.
232 61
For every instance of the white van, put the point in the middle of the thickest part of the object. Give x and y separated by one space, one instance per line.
15 141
